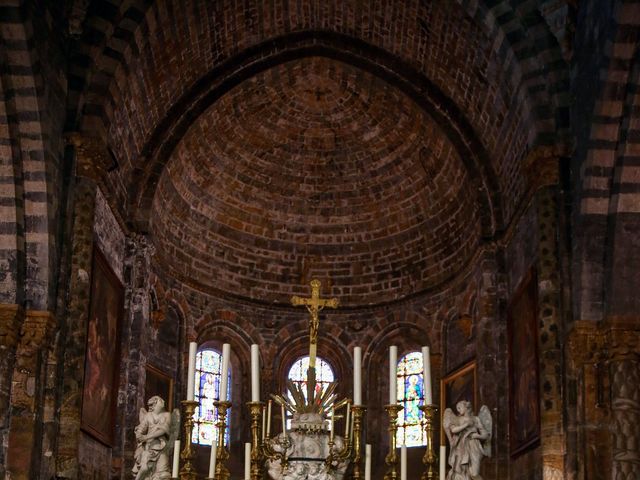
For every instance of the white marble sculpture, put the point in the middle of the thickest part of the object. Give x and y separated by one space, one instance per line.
155 436
470 440
307 447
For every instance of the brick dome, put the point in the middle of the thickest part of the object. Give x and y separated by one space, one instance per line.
315 168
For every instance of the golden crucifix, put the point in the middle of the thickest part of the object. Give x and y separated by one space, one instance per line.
314 304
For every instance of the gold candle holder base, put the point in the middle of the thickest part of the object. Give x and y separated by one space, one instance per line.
188 471
392 457
255 410
430 458
358 412
222 454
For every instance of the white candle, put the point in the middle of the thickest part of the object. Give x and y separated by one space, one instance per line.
212 458
367 462
264 421
255 375
247 461
403 463
333 414
357 376
426 372
191 375
393 364
176 459
269 419
284 419
346 423
226 351
443 461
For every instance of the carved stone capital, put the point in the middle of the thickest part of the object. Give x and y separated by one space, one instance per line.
92 156
36 330
542 165
11 317
613 339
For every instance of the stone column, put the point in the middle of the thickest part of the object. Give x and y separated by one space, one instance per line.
90 156
11 318
605 376
544 168
136 334
25 426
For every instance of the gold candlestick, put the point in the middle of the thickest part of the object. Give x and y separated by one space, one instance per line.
255 410
392 457
430 458
222 454
358 413
188 472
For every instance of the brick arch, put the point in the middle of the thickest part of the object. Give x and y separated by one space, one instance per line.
530 41
606 212
31 138
13 258
226 322
103 33
621 269
510 79
407 337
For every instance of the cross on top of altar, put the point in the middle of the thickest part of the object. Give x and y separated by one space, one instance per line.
315 305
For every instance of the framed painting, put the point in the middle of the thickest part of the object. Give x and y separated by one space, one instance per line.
524 389
458 385
101 368
158 383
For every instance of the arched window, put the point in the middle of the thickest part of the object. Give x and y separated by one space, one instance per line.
298 374
410 381
207 391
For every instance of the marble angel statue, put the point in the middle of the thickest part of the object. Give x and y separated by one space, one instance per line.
155 436
470 440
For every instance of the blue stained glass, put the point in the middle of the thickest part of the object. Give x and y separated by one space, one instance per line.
410 383
207 391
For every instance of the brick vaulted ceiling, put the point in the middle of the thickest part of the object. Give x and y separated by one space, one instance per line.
260 144
315 168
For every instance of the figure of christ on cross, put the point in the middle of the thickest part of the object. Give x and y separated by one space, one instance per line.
314 304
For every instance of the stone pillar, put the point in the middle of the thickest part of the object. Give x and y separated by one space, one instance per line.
544 168
25 426
11 318
90 156
492 364
135 337
605 376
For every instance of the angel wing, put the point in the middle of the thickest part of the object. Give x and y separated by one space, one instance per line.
487 422
448 419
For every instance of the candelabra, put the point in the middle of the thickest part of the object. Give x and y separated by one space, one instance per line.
256 411
430 459
267 452
358 413
338 456
188 472
222 453
392 457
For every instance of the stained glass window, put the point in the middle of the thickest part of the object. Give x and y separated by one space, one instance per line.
410 381
207 391
298 374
